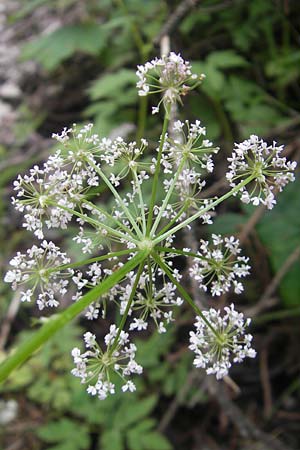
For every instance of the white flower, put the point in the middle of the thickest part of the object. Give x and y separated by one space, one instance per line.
39 270
218 266
254 157
138 324
219 341
129 386
170 75
96 366
150 303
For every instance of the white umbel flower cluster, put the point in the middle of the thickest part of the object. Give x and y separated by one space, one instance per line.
218 267
39 271
97 368
223 342
270 170
131 236
170 75
191 145
152 303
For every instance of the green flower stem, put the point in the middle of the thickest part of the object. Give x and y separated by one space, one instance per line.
276 315
182 291
142 117
142 206
179 252
174 220
27 348
128 306
96 223
167 197
150 277
109 216
195 216
92 260
117 197
156 174
205 150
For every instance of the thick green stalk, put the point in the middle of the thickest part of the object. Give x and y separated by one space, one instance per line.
181 290
27 348
156 174
211 205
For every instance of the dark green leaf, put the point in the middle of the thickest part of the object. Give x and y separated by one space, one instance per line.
52 49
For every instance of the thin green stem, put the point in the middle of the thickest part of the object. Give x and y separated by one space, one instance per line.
182 291
142 117
167 197
118 198
150 277
56 322
92 260
156 174
276 315
174 220
96 223
109 216
178 252
142 206
128 306
202 211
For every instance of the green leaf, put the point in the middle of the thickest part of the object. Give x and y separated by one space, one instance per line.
155 441
149 352
226 59
52 49
213 68
144 437
111 84
229 223
68 434
285 68
134 410
111 439
214 81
